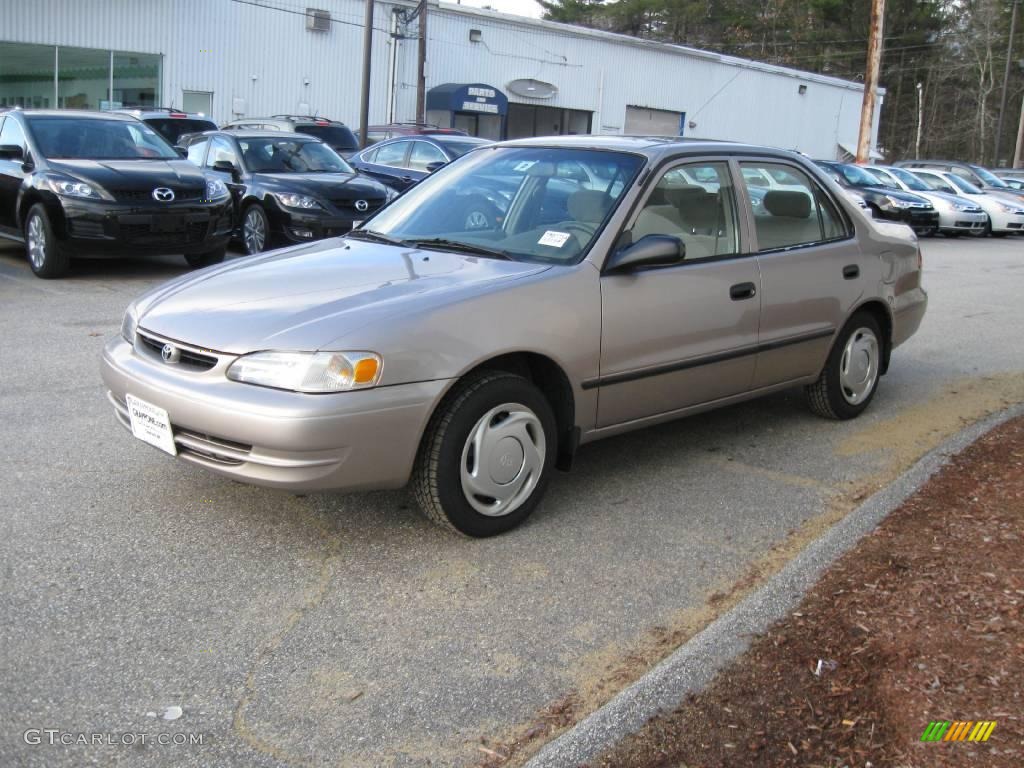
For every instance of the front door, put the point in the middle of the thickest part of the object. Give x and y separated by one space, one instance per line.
812 269
12 174
679 336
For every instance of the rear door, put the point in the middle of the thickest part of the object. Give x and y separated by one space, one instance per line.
679 336
389 163
812 269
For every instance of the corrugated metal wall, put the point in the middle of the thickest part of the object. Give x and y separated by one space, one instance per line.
260 51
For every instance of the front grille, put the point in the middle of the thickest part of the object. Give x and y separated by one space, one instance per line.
146 195
349 206
190 359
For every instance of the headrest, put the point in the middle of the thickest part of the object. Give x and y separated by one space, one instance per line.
795 205
587 205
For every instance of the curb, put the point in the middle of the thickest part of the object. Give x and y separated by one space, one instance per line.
695 663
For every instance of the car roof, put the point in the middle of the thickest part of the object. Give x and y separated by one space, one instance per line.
254 134
652 146
91 114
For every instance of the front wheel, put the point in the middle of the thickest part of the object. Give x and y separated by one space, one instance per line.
850 377
486 456
45 256
208 259
255 229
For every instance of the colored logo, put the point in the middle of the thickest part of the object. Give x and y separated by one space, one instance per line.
958 730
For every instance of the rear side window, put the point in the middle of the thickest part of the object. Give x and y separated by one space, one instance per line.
335 136
393 154
423 154
791 212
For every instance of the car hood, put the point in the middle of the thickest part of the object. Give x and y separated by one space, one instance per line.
897 194
307 297
945 197
134 175
331 186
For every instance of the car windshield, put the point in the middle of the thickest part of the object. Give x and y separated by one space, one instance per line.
885 179
337 136
173 128
912 182
857 176
272 155
526 203
988 177
962 184
89 138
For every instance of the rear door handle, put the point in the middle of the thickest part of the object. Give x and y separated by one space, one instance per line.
850 271
742 291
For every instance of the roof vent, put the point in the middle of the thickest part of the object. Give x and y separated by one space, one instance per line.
318 20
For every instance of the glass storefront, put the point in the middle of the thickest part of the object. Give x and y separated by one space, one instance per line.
46 76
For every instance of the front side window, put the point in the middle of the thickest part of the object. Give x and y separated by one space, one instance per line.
423 154
696 204
221 151
290 156
98 139
936 182
11 134
794 213
512 203
393 154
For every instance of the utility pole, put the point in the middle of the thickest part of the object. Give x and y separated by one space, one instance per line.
364 107
421 66
920 120
1006 80
867 109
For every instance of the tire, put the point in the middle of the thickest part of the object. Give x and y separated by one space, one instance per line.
255 240
208 259
47 259
838 396
446 480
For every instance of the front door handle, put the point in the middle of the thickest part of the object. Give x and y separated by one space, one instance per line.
742 291
851 271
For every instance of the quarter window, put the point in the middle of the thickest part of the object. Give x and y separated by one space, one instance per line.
695 203
792 210
221 150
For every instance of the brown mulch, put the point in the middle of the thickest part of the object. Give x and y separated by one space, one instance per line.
921 621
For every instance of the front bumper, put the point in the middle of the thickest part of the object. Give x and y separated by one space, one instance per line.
122 229
297 226
346 441
1007 222
920 220
959 221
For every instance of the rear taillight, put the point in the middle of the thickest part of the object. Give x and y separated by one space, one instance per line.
322 122
178 114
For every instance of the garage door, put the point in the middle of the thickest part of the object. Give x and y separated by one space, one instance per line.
641 121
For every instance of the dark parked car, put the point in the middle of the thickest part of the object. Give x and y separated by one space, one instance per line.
286 187
400 163
885 202
104 184
375 133
333 133
172 124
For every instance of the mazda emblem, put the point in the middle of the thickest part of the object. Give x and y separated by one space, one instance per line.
362 205
163 194
170 353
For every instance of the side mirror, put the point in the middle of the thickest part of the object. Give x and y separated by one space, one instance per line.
11 152
431 167
648 251
226 166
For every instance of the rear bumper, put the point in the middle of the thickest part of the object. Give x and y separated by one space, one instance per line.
346 441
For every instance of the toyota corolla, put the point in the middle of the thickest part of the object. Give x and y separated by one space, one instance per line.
472 363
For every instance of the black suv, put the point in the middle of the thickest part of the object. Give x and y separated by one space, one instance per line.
885 202
103 184
286 186
171 123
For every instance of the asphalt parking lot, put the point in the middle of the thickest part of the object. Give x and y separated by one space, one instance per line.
347 630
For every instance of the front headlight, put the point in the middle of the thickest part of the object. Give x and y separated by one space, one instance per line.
216 189
963 207
290 200
308 371
72 188
128 325
1010 209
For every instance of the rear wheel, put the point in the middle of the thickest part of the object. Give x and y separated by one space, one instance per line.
45 255
850 377
200 260
486 456
255 229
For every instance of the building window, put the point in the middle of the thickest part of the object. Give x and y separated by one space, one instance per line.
46 76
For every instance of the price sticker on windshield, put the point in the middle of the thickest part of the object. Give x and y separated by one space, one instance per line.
524 165
554 239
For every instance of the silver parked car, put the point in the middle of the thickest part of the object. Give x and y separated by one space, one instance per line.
474 362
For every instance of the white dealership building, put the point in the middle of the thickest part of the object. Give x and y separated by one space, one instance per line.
491 74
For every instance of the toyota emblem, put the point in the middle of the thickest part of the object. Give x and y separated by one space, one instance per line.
170 353
362 205
163 194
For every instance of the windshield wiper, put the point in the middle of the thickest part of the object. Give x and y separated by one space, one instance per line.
377 237
441 244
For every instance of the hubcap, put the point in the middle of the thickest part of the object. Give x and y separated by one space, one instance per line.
858 369
254 231
36 242
477 220
503 459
